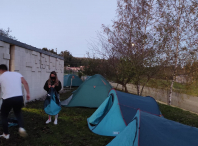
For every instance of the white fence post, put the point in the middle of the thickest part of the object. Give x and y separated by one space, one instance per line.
71 84
24 95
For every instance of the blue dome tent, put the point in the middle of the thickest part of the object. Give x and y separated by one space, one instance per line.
118 110
150 130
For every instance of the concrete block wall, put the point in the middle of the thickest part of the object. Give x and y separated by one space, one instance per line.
4 58
34 66
4 53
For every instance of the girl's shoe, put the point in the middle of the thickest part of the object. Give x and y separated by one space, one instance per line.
55 122
48 121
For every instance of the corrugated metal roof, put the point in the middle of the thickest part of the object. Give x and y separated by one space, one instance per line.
23 45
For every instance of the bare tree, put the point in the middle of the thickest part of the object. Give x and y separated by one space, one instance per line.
178 27
114 66
131 45
6 33
136 23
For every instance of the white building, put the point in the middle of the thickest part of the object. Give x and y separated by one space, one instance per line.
33 63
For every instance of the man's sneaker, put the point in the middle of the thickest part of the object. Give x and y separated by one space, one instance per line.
5 136
48 121
22 132
55 122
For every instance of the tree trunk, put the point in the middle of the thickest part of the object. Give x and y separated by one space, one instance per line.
117 86
144 86
138 89
122 87
173 80
176 62
126 89
142 90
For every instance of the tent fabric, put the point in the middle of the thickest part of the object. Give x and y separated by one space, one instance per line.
101 112
52 104
129 136
156 131
130 103
11 122
90 94
76 81
123 109
111 124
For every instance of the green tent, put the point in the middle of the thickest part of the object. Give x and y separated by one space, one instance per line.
90 94
72 80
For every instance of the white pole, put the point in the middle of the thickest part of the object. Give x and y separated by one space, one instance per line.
1 100
71 84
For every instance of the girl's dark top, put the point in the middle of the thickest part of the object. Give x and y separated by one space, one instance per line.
57 88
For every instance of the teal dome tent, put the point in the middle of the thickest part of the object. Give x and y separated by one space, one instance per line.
90 94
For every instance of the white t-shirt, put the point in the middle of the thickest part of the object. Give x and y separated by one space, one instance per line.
10 84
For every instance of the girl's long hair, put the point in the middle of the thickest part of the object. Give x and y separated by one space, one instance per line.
56 80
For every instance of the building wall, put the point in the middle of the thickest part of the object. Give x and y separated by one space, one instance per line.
4 53
34 66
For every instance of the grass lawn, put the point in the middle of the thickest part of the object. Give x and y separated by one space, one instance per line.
72 129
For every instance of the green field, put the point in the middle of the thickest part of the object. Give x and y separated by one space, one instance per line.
72 129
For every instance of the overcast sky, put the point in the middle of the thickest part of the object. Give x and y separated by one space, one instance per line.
62 24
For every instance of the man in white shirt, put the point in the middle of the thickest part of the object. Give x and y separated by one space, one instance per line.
12 98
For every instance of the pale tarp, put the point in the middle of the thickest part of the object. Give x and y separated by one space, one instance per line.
66 102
